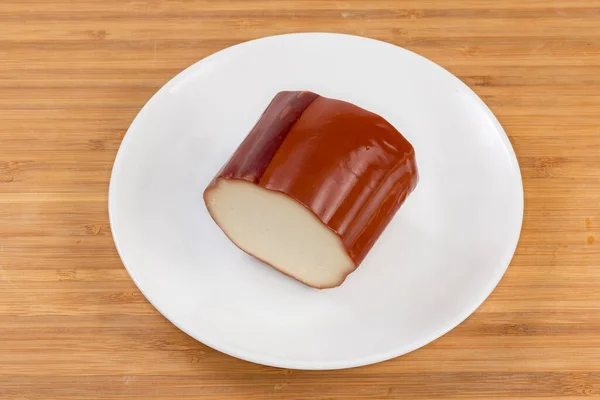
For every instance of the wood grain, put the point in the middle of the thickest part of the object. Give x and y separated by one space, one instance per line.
73 74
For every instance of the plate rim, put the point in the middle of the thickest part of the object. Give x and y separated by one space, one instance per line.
303 364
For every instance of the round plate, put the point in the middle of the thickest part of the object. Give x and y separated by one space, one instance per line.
442 255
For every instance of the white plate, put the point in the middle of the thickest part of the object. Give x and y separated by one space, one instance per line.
438 260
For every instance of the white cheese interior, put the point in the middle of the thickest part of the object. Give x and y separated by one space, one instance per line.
279 231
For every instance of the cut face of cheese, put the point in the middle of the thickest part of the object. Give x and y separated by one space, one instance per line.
313 186
279 231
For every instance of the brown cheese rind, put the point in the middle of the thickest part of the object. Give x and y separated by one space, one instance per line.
257 150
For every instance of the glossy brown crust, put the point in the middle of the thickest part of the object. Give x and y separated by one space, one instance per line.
255 153
349 166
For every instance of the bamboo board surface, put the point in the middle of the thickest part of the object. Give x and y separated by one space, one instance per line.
73 74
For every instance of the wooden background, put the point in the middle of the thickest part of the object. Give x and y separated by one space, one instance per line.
74 73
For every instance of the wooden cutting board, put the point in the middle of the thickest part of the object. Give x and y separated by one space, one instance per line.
73 74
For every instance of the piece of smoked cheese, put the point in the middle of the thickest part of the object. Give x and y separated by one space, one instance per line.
312 186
